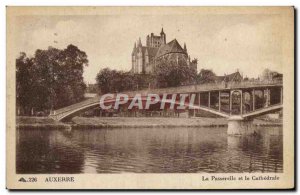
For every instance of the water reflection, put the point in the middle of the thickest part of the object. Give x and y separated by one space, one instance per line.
147 150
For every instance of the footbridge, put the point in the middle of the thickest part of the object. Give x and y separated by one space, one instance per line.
238 102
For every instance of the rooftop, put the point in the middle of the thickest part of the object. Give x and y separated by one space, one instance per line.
171 47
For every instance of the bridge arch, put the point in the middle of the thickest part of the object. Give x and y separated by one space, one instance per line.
70 114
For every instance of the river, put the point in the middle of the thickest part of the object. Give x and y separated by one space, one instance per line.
148 150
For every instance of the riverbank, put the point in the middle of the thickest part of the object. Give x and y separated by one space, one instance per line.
128 122
40 123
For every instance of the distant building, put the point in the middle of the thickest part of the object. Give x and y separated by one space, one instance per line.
277 77
269 75
145 58
230 78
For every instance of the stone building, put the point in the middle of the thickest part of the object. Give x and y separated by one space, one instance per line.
145 58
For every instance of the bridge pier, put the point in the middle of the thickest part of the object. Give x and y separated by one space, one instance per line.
237 125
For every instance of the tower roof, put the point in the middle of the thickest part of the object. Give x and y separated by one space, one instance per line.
171 47
229 77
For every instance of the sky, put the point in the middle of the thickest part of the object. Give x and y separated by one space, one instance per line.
224 43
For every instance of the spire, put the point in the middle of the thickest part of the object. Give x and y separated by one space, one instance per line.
140 42
148 41
163 36
134 49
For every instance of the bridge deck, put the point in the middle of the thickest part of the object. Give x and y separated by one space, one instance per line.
262 111
77 105
206 88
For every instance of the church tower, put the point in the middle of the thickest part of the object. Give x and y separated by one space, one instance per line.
145 57
133 58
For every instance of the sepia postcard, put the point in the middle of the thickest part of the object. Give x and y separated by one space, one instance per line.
150 98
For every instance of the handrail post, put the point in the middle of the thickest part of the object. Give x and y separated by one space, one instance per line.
281 95
219 101
241 111
209 99
253 100
230 102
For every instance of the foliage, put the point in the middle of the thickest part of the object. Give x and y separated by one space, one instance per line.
206 76
51 79
172 74
166 74
91 88
116 81
25 82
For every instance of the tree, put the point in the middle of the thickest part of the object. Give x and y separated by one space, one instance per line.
206 76
142 81
112 81
105 80
172 74
24 83
72 61
51 79
166 74
46 70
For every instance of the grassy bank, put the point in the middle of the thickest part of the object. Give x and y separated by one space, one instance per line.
40 123
121 122
127 122
150 122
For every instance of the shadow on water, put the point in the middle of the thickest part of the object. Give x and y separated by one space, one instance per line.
147 150
40 151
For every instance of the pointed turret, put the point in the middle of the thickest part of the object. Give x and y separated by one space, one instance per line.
140 42
148 41
163 36
134 49
146 56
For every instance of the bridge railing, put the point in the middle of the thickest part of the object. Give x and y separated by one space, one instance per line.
254 84
76 105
